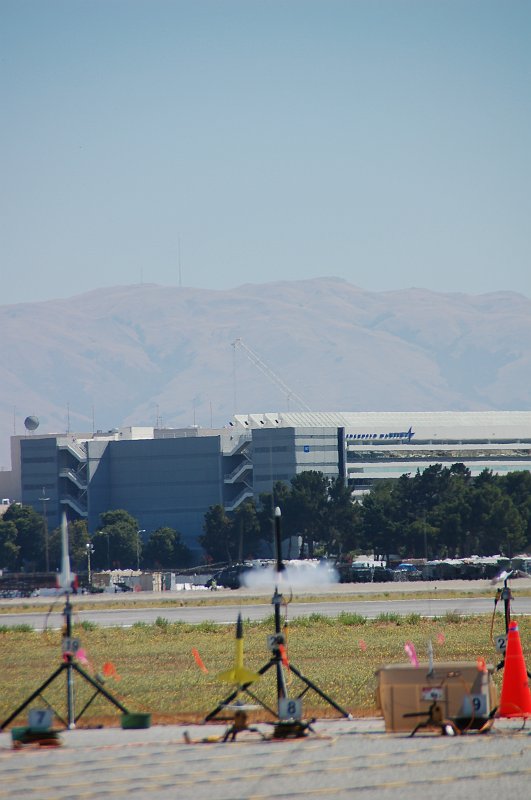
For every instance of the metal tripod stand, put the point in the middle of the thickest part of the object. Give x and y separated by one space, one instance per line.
505 594
70 666
276 644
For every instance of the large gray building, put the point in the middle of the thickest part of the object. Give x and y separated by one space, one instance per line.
172 476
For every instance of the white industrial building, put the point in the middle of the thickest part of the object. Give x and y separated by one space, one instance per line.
172 476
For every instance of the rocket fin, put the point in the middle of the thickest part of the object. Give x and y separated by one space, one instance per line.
238 676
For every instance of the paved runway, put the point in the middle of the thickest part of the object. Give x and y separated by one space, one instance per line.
343 759
124 617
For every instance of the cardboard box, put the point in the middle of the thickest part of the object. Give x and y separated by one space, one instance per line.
465 694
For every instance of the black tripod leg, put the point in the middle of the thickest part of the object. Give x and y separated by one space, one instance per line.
281 682
87 704
35 694
99 688
319 691
232 696
261 702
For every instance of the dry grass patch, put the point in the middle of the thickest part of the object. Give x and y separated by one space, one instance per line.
158 673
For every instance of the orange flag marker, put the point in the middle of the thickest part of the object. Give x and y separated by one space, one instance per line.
198 660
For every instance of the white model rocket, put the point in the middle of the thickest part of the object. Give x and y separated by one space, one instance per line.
66 578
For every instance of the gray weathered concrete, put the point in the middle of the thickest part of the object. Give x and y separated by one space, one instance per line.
340 760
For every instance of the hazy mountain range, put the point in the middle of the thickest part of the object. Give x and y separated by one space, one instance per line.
145 354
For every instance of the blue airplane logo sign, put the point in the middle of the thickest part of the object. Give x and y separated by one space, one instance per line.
401 435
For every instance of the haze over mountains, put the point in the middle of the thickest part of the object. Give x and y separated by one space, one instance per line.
142 354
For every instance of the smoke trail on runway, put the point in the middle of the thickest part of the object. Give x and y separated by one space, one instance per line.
297 574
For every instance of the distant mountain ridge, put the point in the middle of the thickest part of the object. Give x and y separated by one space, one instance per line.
135 355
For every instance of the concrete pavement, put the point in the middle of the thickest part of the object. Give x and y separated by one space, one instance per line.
341 759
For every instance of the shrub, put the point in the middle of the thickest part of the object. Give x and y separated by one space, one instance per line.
453 618
351 618
22 628
390 617
87 625
311 620
207 626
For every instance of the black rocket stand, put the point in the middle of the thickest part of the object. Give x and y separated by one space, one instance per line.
505 594
68 664
290 726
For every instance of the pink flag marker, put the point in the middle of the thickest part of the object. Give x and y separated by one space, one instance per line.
409 647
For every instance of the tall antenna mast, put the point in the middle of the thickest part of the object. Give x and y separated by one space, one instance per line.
235 406
179 258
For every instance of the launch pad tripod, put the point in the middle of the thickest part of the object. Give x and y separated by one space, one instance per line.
70 666
505 594
287 709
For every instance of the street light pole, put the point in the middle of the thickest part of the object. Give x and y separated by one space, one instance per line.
90 550
138 548
44 500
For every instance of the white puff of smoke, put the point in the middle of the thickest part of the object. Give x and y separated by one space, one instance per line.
297 574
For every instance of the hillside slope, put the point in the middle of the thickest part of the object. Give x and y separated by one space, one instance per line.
135 354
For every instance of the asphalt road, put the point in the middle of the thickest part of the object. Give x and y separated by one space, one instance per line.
125 617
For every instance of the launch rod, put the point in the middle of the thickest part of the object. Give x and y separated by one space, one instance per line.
70 707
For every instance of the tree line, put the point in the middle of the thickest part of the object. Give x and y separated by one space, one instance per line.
25 545
441 512
437 513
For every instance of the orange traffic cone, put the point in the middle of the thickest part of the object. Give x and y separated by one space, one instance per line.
515 700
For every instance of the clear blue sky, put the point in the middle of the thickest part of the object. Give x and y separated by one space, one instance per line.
387 142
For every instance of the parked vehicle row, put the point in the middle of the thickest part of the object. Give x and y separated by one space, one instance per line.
473 568
231 577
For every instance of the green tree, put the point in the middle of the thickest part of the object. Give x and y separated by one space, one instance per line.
218 537
380 528
343 519
484 495
9 549
504 529
78 538
453 534
268 503
117 542
517 486
246 530
30 536
165 548
306 509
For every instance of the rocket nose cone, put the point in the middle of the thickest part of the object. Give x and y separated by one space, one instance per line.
239 627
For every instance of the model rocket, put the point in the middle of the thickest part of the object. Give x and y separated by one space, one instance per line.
238 675
280 567
66 578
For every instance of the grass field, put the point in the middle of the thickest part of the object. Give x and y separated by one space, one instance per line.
158 673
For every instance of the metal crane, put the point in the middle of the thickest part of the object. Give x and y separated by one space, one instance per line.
268 372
